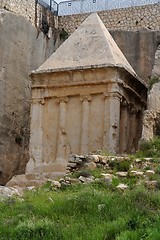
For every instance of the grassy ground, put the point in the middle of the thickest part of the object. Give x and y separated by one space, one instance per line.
82 212
95 211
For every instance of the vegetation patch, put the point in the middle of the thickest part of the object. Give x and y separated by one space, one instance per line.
92 211
152 81
149 149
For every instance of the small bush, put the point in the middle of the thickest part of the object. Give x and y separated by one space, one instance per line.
63 34
152 81
84 173
38 230
157 170
149 148
120 166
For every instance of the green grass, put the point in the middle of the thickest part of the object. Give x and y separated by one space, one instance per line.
87 173
82 212
96 211
149 149
120 166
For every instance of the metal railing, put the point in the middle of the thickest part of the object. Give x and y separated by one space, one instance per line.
50 4
86 6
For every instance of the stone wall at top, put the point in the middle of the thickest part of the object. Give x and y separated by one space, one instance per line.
25 8
38 15
132 18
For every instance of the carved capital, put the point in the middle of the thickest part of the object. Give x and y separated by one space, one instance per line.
124 103
37 100
112 95
86 98
43 101
134 110
107 95
62 99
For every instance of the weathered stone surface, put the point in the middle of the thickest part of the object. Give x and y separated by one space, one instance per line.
24 181
75 159
148 159
89 166
77 53
88 79
107 175
55 184
102 52
21 50
17 181
151 119
138 160
148 125
149 172
93 158
72 165
6 192
30 188
122 186
137 173
34 12
156 68
74 181
122 174
139 47
132 18
86 179
137 37
154 98
151 184
103 160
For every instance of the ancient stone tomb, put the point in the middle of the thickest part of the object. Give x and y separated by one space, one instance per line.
85 97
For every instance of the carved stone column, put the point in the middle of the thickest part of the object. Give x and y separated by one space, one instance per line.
61 146
132 130
124 127
85 125
106 121
111 122
36 138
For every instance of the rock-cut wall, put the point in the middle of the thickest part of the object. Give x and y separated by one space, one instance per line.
139 48
21 51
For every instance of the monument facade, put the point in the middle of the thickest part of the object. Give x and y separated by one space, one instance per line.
85 97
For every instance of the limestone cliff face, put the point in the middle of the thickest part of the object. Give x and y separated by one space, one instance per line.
151 120
22 49
139 48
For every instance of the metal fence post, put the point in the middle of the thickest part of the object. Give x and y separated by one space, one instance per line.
81 6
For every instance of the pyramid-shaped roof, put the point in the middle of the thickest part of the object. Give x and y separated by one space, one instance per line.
90 45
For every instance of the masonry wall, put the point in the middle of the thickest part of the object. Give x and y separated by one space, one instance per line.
32 11
25 8
133 18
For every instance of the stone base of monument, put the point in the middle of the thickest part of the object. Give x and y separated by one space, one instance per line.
39 177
